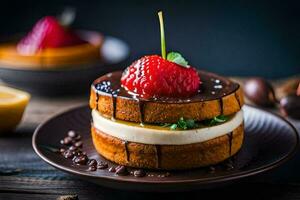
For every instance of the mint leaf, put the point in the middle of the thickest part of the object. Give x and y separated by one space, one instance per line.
178 59
181 123
221 118
173 126
185 124
216 120
190 123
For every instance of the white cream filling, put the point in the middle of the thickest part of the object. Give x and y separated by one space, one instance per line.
145 135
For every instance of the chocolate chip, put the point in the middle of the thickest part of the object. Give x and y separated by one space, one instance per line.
121 171
62 150
78 144
66 141
79 153
68 154
139 173
73 148
80 160
78 137
92 168
72 134
167 174
92 162
212 169
117 167
112 169
102 165
68 197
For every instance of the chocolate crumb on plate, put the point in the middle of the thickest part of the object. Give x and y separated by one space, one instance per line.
121 171
102 165
68 197
72 134
80 160
92 162
112 169
68 154
92 168
139 173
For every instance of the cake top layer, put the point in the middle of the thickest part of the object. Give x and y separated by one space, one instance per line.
213 87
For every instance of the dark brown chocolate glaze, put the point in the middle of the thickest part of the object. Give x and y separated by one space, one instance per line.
212 87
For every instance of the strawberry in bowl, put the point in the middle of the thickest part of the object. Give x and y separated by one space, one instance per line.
50 45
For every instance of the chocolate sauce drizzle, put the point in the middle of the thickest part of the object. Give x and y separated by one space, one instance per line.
114 105
126 151
108 87
230 138
158 155
141 110
237 99
97 99
221 105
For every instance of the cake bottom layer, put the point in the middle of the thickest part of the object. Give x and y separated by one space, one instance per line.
169 157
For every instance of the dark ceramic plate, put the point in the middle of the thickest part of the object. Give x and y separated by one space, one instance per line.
269 142
74 80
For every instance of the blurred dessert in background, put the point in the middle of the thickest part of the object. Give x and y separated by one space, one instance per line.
50 45
285 95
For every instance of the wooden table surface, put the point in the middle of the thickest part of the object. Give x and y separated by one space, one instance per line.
23 175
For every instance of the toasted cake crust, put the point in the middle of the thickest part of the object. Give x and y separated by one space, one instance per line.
158 112
168 156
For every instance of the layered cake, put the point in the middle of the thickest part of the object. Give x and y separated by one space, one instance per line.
50 45
162 113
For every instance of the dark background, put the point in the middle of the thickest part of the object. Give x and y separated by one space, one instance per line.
229 37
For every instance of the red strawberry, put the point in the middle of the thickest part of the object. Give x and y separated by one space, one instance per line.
47 33
153 76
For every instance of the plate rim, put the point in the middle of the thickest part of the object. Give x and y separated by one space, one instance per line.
199 181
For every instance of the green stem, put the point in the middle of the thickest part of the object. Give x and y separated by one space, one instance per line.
162 35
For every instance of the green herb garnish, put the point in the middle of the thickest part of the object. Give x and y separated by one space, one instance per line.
178 59
216 120
221 118
173 126
185 124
